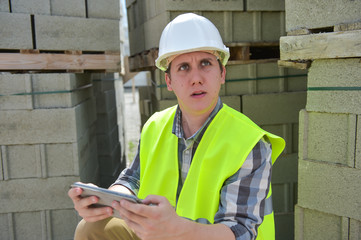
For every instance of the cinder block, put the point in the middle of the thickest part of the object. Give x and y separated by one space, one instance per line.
163 104
33 194
72 8
328 137
108 141
5 223
285 169
309 222
284 225
232 101
333 86
324 13
109 164
28 225
355 229
4 6
46 125
259 5
323 187
105 102
358 144
10 86
15 31
72 33
297 80
275 108
239 79
63 223
31 6
106 121
109 9
64 90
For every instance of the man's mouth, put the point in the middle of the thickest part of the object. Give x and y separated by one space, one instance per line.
198 93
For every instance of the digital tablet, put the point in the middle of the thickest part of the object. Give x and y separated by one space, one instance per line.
106 196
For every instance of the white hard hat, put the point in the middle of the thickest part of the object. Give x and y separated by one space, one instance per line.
188 33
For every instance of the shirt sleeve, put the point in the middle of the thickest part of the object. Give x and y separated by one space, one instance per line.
243 194
130 176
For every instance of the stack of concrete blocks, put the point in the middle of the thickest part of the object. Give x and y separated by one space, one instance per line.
329 199
269 95
48 121
109 136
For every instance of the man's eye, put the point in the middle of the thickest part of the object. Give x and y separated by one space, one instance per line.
183 67
205 63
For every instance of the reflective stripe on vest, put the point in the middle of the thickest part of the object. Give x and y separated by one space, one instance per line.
225 145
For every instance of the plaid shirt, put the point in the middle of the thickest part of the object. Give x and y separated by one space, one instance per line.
242 204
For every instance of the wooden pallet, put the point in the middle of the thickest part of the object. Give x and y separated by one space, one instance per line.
240 53
30 60
302 46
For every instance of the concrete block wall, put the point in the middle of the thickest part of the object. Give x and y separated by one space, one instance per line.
329 134
329 160
47 125
310 14
237 21
54 25
110 157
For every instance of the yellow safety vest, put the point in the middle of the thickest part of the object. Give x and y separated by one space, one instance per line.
225 145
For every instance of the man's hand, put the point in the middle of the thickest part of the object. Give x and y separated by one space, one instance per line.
155 219
84 208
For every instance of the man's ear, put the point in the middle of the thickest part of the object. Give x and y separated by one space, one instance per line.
168 82
223 75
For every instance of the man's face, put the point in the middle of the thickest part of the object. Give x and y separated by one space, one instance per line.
196 79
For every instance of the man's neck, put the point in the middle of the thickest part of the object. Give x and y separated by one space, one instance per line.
192 123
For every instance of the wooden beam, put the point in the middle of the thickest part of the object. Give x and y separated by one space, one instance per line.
52 61
303 65
345 44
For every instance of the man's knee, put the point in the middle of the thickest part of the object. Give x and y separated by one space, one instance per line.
110 228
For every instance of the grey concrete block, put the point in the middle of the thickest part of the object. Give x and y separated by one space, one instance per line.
109 165
10 86
163 104
4 6
71 33
201 5
31 6
63 223
232 101
28 225
237 79
105 102
330 85
358 144
285 169
275 108
259 5
355 229
313 224
323 187
109 9
328 137
108 141
72 8
324 13
284 225
33 194
15 31
5 223
46 125
106 121
64 90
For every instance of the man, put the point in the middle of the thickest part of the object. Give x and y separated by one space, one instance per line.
202 168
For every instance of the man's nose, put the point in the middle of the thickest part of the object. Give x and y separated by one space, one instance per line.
196 77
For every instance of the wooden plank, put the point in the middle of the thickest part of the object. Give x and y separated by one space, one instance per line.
294 64
321 46
51 61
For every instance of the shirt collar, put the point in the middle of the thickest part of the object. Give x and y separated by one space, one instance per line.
177 123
